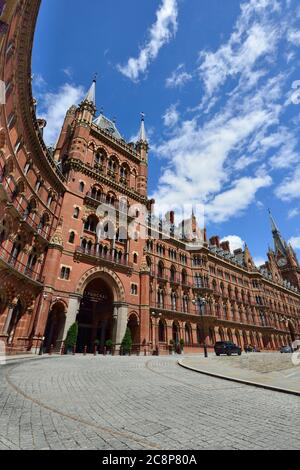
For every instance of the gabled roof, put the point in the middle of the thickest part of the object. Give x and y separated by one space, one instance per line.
107 125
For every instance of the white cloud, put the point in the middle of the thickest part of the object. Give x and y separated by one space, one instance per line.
290 187
161 33
295 242
235 242
294 37
293 213
259 261
198 159
287 154
178 78
206 159
171 116
254 37
236 199
38 81
53 107
68 72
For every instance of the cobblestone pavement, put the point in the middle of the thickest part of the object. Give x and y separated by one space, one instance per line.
137 403
269 369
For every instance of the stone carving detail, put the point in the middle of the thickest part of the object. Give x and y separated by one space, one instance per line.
57 238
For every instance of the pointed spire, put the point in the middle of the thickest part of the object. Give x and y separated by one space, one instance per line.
273 223
91 95
143 136
279 242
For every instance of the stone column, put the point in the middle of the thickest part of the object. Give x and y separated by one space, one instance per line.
120 318
73 309
8 318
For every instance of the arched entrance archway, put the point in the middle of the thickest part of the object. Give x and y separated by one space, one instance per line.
292 331
221 334
55 327
188 335
133 325
161 331
175 333
95 317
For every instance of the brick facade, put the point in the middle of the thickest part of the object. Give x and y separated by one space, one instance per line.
54 270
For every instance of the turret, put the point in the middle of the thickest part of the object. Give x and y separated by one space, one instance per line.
142 147
279 243
142 144
87 108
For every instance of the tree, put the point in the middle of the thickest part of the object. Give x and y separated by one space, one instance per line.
71 338
127 342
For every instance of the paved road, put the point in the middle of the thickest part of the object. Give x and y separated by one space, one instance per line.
137 403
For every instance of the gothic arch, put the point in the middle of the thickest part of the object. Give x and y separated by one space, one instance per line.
134 314
59 302
106 274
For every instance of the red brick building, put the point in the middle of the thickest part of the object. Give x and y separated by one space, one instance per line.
54 270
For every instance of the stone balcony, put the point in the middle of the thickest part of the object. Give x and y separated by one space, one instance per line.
109 259
18 268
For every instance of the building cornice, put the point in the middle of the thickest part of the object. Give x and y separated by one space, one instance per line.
27 116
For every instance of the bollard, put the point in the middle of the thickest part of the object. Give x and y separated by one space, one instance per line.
104 351
62 352
74 350
95 350
85 350
51 350
145 352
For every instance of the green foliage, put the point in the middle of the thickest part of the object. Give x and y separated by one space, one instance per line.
71 338
109 344
127 341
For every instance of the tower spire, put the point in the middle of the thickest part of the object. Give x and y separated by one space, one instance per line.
87 108
91 95
279 243
143 135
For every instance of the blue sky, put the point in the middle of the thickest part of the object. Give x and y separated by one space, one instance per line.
217 81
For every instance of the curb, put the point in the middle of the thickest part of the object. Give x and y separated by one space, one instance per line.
241 381
19 360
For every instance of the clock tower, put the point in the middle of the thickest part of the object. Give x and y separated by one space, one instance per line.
285 256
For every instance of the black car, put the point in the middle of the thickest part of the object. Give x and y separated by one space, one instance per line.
286 350
227 347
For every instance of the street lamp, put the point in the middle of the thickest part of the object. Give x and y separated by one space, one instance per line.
201 303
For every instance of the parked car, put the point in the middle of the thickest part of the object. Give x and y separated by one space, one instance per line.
285 350
227 347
